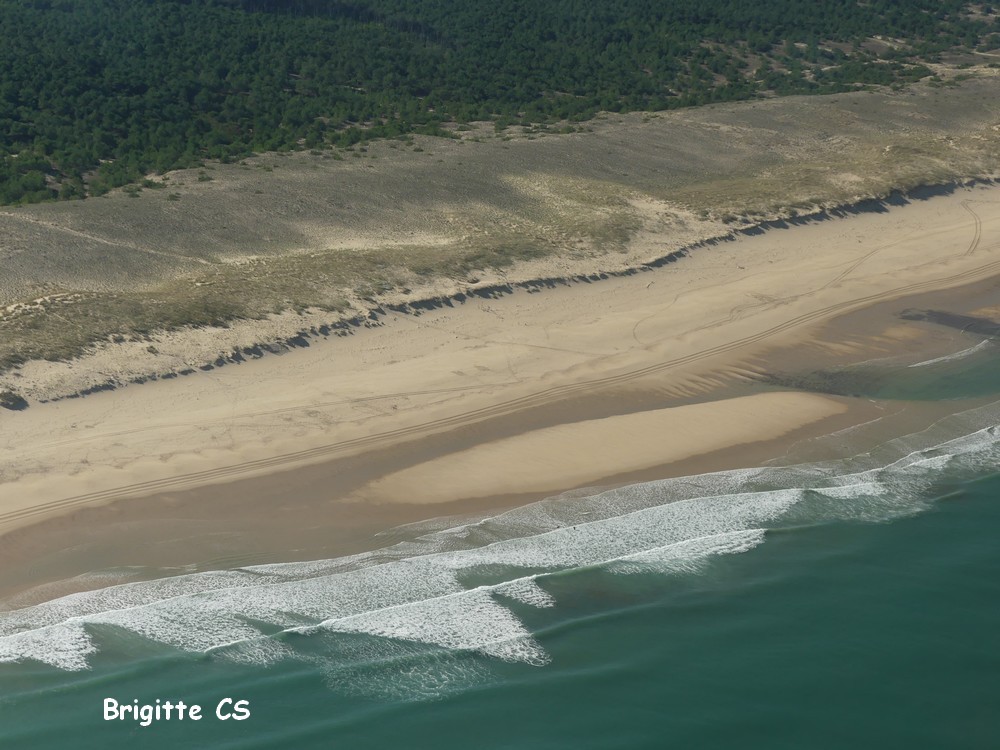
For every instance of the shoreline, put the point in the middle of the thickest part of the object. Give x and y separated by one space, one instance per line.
200 529
230 455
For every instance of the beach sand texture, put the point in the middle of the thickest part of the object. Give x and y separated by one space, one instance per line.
492 372
553 458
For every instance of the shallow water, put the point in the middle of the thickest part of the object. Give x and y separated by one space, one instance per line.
972 372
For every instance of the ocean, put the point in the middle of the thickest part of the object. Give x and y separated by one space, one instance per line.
839 603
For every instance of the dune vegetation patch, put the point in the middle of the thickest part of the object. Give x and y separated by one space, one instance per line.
420 216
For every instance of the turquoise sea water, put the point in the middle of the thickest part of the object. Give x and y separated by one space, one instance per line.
853 603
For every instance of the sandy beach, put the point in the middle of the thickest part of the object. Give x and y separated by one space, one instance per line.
493 401
383 375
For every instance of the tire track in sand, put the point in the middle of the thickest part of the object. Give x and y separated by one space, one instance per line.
534 400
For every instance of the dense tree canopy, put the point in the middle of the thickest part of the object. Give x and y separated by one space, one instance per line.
96 93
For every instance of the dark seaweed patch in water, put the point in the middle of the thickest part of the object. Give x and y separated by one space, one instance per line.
974 375
834 382
965 323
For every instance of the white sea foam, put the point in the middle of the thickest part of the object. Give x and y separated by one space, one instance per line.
65 646
690 555
957 355
394 669
527 591
458 590
468 621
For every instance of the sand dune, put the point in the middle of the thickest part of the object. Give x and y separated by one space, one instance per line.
336 233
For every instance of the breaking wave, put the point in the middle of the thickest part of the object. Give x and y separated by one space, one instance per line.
427 609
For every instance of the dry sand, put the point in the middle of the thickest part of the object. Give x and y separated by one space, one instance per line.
495 378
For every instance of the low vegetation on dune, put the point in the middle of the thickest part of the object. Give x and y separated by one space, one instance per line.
412 217
10 399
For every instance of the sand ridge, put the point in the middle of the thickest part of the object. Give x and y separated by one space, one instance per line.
567 455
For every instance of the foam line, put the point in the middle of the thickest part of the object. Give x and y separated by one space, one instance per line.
690 555
957 355
413 592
